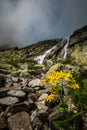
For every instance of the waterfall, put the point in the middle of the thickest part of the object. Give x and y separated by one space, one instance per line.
66 47
40 58
33 115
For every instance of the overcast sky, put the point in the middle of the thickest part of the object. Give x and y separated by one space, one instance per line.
23 22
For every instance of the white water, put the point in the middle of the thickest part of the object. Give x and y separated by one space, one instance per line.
33 115
40 58
66 47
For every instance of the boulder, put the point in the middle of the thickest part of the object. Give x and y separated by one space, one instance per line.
8 101
16 93
15 108
19 121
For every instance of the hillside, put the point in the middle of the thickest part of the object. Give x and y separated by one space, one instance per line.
44 86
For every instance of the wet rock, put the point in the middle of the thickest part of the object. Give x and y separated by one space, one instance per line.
17 93
35 83
19 121
8 101
15 108
3 123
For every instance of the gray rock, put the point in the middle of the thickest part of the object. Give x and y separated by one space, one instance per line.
41 105
15 108
3 123
17 93
35 83
42 91
8 101
19 121
43 97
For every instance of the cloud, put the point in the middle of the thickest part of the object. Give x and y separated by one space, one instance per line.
23 22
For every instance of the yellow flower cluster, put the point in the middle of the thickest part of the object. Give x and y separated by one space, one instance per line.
50 97
55 76
54 79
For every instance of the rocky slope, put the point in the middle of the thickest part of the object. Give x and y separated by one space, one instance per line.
22 95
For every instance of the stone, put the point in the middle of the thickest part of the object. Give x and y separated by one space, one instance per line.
37 124
35 83
16 86
33 96
16 93
3 123
15 108
8 101
40 92
14 79
43 115
41 105
31 104
19 121
3 92
43 97
24 82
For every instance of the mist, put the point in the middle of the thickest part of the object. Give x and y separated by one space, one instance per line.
23 22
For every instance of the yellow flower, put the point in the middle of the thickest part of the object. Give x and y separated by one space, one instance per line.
74 86
75 111
43 82
50 97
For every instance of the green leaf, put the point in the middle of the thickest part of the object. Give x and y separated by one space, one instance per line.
62 124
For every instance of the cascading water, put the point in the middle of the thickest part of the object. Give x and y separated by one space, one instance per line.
40 58
33 115
66 47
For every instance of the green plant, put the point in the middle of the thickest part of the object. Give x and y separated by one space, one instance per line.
64 84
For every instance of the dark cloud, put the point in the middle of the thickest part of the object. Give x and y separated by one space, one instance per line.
23 22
